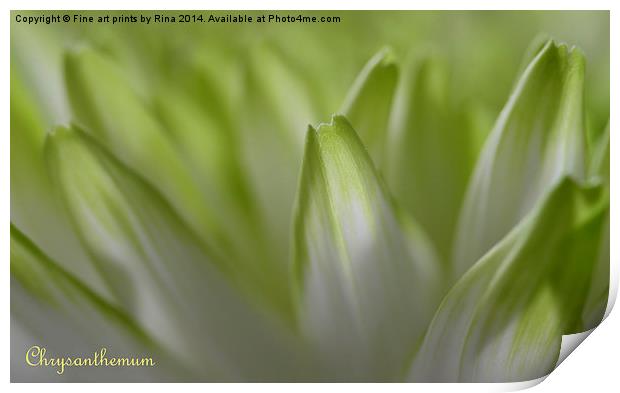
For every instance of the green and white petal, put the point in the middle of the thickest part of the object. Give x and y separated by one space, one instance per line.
366 279
538 138
169 281
504 319
369 102
34 206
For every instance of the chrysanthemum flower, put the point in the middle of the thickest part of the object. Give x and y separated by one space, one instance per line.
191 216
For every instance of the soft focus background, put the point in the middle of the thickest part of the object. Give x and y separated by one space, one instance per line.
485 50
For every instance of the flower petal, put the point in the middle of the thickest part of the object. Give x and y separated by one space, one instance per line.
504 319
34 206
367 281
538 138
177 294
191 158
369 102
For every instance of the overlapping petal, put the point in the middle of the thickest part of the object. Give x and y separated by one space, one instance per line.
504 319
162 273
34 206
538 138
190 155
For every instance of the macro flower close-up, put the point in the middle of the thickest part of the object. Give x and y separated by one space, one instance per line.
375 197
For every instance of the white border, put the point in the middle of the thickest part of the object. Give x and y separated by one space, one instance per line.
593 366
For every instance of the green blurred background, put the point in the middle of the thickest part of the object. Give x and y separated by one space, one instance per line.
484 49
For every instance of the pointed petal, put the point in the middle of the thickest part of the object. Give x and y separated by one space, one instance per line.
538 138
366 280
176 292
369 102
34 206
504 319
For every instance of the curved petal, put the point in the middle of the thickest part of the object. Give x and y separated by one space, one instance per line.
177 294
538 138
504 319
190 158
367 281
34 206
369 102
